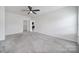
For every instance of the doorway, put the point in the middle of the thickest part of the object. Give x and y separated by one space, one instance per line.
24 25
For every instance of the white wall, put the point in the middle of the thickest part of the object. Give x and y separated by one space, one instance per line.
13 23
78 25
2 23
60 23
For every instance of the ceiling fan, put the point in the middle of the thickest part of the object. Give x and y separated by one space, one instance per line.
31 10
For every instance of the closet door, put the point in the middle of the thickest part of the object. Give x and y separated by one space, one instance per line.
2 23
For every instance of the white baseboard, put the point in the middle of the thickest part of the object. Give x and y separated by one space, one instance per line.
62 37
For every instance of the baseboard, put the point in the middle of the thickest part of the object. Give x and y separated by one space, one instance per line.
65 38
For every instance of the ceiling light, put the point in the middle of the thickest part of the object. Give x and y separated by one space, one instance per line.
30 11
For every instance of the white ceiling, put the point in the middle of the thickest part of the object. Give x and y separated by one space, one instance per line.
43 9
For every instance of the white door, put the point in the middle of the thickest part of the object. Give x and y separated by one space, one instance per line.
25 25
2 23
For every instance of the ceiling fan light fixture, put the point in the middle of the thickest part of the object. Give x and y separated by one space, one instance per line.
30 11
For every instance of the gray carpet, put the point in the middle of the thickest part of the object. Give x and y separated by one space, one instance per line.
31 42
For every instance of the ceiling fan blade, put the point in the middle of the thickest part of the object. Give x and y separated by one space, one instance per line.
33 12
25 10
30 8
36 10
28 12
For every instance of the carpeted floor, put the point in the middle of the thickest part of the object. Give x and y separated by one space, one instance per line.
31 42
